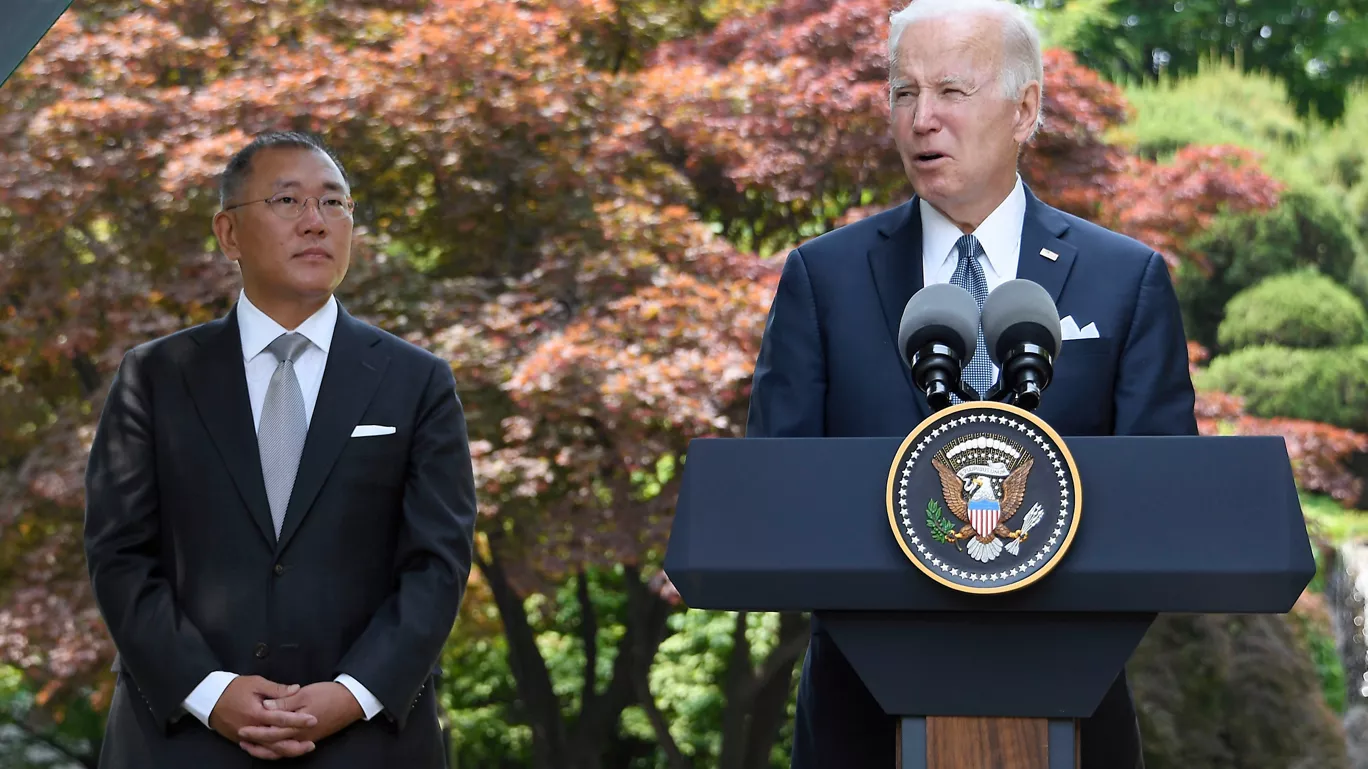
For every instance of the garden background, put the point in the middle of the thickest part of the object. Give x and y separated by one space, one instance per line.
583 205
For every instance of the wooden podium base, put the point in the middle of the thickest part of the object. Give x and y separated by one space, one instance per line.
987 743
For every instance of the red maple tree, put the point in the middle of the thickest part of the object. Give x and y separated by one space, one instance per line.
568 199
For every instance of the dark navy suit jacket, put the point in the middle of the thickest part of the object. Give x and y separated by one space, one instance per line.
829 366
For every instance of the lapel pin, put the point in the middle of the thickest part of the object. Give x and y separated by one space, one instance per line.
1048 254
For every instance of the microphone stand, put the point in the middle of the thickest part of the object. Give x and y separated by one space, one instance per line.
937 369
1029 368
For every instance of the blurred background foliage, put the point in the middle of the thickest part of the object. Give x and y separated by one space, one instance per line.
581 204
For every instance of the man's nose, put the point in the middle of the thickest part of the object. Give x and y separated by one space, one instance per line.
311 219
924 118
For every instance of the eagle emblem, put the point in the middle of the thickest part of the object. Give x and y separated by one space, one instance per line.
983 482
976 479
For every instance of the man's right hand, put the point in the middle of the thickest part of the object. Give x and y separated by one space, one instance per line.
241 706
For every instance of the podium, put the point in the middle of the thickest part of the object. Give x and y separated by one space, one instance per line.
1185 524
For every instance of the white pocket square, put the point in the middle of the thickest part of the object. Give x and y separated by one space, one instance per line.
363 431
1069 329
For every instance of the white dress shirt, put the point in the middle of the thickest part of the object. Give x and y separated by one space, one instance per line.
999 234
258 330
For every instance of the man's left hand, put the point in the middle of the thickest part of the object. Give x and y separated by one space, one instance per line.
329 702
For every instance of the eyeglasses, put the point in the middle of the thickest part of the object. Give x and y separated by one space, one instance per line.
292 207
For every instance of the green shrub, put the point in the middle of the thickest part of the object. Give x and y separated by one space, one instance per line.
1320 385
1220 105
1232 690
1300 309
1324 165
1357 204
1335 153
1308 229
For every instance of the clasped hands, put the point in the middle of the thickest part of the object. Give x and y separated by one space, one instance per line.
271 720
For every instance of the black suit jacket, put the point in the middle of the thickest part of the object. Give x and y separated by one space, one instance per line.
365 579
829 366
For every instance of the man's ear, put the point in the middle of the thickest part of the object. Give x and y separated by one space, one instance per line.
225 230
1028 107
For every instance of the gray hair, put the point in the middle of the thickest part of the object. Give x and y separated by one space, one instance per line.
1021 54
235 173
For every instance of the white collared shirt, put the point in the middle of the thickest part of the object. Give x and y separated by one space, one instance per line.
999 235
258 330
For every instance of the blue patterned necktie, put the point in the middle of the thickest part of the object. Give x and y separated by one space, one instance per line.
978 374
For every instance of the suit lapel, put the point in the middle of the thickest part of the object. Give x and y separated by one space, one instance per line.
356 363
217 380
896 266
1040 231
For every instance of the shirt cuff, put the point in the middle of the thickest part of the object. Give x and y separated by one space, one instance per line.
369 704
202 700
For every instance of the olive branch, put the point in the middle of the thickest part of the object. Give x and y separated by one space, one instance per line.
942 530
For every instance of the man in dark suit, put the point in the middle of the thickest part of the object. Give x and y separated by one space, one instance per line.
965 89
280 507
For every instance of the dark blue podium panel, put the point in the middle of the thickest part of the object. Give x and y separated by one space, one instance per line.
1002 665
25 24
1168 524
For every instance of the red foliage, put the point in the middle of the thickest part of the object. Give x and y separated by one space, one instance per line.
778 121
1068 164
1197 355
545 219
1165 205
1319 452
476 137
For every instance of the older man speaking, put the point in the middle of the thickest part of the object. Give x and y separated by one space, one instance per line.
965 81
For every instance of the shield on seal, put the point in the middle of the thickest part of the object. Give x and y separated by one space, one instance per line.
984 512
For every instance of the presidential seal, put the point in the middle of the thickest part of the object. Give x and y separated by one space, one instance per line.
983 497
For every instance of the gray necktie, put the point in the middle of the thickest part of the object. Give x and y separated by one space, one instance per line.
978 374
283 425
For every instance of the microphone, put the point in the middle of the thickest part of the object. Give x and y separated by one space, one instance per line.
1021 330
936 337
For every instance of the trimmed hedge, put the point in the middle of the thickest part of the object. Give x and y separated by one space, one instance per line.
1328 385
1308 229
1301 309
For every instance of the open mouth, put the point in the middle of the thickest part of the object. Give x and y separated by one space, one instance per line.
928 157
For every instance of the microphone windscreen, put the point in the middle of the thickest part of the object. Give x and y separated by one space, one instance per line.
941 313
1016 312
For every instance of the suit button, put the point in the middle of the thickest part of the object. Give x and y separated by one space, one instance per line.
260 651
279 569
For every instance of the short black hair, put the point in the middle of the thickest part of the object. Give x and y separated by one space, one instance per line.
240 164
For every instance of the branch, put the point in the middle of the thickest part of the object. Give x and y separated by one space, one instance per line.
623 38
675 758
767 706
739 691
588 627
646 628
88 374
780 658
528 666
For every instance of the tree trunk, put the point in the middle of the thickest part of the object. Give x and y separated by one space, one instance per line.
646 628
673 755
529 669
756 699
738 683
775 680
553 746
